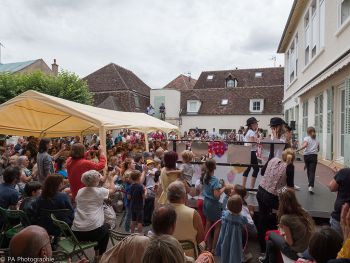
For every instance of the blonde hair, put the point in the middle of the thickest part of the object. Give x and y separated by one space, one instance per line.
187 156
288 156
311 132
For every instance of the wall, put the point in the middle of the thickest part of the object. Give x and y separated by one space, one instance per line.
336 43
223 122
37 65
171 101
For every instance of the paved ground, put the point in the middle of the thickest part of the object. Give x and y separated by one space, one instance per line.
324 176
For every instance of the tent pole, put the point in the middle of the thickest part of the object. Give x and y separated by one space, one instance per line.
146 142
102 133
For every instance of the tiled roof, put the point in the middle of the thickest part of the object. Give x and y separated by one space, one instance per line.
182 82
244 77
115 78
14 67
110 103
238 100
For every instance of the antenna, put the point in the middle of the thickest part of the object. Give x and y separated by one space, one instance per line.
274 60
1 45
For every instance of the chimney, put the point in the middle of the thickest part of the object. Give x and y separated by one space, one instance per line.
54 68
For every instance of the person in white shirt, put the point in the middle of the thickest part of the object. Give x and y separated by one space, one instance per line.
311 147
251 136
88 224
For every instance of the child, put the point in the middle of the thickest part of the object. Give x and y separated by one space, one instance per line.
247 211
150 186
187 168
127 185
229 245
228 192
32 191
137 197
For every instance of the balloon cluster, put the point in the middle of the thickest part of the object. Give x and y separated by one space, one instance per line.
217 148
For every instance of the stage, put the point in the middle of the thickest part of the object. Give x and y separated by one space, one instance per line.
320 204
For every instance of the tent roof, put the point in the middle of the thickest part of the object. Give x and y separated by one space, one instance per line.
38 114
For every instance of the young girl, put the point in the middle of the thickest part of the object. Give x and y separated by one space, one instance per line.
230 241
187 168
251 136
311 147
212 191
296 227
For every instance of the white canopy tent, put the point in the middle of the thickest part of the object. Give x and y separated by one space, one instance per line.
36 114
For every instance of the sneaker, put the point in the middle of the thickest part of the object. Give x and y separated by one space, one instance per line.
311 189
247 257
261 259
296 187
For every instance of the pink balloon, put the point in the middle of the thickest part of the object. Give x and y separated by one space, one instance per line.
231 176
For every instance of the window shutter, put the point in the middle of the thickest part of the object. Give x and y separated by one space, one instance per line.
347 124
329 152
320 123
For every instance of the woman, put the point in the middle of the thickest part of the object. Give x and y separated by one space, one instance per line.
311 147
212 191
279 174
168 175
77 165
52 199
251 136
44 159
295 225
88 224
26 174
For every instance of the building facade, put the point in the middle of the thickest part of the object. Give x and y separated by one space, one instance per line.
116 88
29 67
224 100
316 46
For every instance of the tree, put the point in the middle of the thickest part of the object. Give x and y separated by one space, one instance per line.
66 85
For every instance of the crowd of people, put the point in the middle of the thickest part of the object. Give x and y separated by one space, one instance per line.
75 180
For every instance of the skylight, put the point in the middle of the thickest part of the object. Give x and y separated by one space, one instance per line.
258 74
210 77
224 101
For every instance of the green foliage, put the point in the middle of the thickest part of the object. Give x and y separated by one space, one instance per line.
66 85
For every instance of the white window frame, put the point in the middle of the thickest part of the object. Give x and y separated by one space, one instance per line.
189 103
258 74
210 77
292 60
340 2
235 83
314 31
251 104
224 102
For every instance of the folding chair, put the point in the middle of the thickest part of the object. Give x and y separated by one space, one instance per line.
70 243
116 236
60 256
189 245
9 229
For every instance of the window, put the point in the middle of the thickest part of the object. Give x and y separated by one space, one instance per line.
210 77
231 83
344 11
314 29
305 114
256 105
224 101
292 60
258 74
193 106
137 101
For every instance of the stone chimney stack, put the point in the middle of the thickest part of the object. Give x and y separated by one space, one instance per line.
54 68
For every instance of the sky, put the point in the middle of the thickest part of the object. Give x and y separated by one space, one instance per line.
156 39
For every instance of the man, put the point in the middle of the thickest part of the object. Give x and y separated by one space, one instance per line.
150 110
162 111
32 242
189 224
19 145
8 194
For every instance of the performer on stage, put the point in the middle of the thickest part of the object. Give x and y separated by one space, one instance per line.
311 147
251 136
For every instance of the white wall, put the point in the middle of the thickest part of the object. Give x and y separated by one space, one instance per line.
223 122
172 103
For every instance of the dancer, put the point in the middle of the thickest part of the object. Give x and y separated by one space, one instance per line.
311 147
251 136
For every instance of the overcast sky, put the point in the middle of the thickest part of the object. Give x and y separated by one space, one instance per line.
156 39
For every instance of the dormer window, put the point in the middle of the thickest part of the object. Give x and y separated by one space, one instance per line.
210 77
256 105
231 83
258 74
224 102
193 106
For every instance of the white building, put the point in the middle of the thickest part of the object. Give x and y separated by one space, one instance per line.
224 100
316 44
